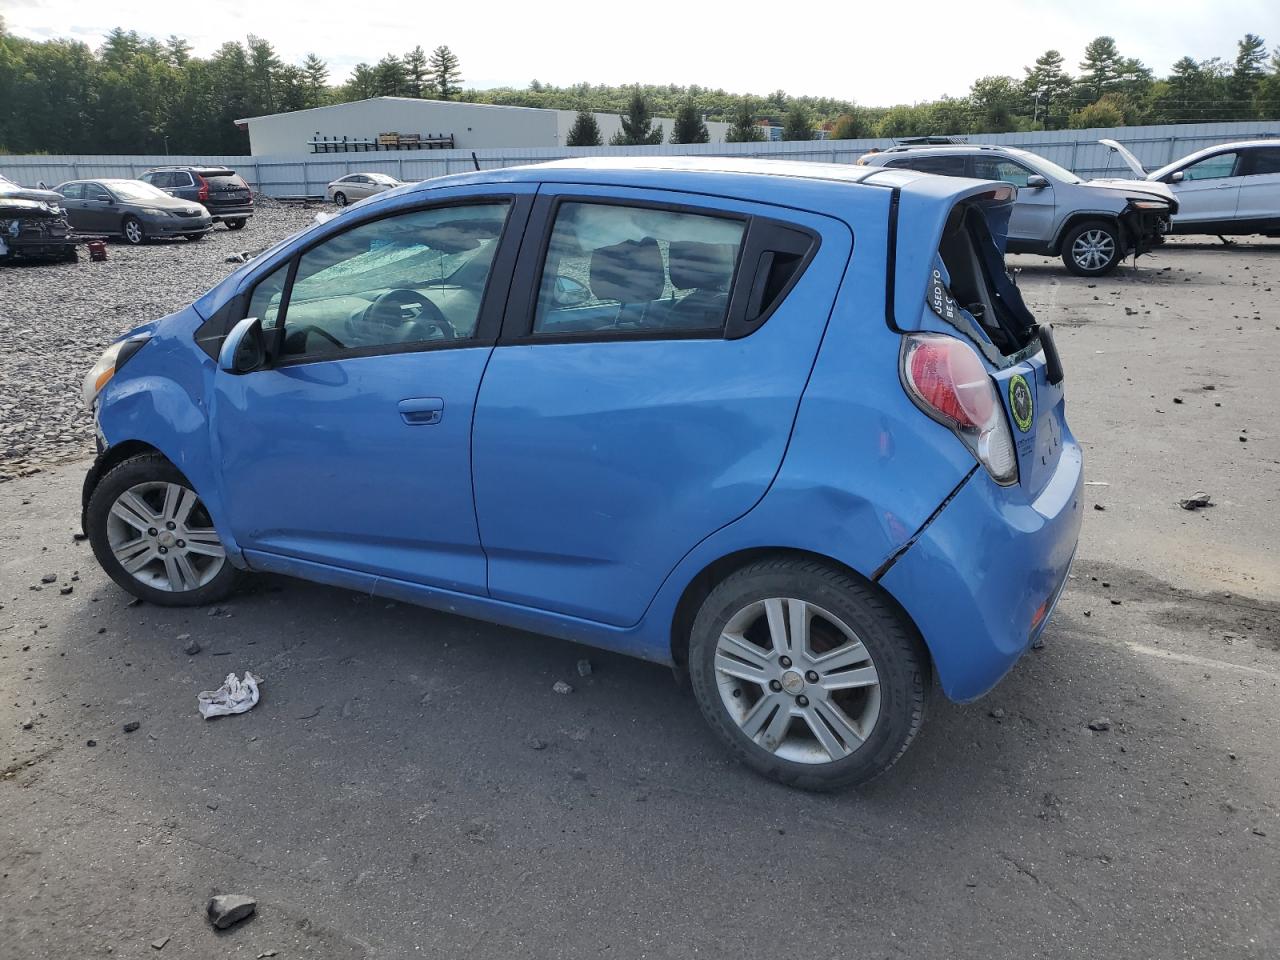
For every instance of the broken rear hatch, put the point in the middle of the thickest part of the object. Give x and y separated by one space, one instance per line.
962 287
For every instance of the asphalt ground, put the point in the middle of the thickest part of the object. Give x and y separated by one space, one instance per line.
410 785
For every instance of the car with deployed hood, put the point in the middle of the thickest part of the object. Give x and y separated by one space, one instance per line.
1092 225
33 224
131 209
787 428
1232 189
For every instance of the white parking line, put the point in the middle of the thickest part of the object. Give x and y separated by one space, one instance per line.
1199 661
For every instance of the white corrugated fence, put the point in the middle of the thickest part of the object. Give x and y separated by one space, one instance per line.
305 175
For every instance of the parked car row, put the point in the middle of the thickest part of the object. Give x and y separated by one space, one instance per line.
181 201
1233 188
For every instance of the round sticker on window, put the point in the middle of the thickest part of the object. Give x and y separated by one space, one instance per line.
1020 402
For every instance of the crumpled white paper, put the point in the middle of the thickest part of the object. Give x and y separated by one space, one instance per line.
234 696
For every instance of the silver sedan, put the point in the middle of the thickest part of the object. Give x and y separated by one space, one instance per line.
357 186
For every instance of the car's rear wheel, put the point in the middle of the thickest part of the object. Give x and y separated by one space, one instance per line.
236 224
340 198
133 231
807 674
71 254
1092 248
153 536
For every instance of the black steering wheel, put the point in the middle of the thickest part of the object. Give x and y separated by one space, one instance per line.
386 314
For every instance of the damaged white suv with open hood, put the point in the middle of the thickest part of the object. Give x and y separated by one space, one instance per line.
1231 189
1091 224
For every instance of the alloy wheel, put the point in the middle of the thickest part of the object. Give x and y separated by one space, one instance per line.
797 680
162 536
1093 249
133 231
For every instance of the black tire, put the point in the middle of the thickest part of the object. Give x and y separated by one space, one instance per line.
71 254
193 237
133 232
236 224
144 469
900 660
340 198
1100 249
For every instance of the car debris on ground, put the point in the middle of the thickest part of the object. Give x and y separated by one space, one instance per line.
234 696
228 909
1196 501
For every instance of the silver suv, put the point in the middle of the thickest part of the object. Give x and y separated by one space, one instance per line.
1092 225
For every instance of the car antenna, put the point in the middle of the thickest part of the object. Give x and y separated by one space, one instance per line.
475 161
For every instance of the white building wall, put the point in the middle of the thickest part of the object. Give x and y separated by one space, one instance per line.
475 126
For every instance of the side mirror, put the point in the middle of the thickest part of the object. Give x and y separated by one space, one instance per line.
245 348
569 292
1037 182
1177 177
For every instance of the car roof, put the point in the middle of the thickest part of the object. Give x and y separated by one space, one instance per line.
195 168
744 177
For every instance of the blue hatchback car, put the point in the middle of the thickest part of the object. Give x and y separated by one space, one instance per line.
787 427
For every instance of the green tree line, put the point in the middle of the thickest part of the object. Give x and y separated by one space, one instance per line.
137 94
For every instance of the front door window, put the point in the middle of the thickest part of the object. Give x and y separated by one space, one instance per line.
413 279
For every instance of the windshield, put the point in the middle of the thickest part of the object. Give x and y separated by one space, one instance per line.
137 190
1048 168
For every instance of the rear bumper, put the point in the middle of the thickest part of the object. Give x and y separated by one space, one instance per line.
982 579
230 211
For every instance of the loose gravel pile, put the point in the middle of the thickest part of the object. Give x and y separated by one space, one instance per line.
55 319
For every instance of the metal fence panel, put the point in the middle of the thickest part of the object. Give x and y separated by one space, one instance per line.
305 175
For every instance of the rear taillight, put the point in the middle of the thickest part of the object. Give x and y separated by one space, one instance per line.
946 379
203 184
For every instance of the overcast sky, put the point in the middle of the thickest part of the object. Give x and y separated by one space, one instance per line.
877 54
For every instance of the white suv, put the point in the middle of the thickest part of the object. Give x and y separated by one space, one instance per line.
1233 188
1092 225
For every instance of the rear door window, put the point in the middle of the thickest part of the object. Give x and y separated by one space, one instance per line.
1260 160
949 166
615 269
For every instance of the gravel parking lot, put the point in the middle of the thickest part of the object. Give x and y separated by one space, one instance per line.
411 786
56 318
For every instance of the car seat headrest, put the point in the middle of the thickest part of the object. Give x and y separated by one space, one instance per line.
629 272
706 266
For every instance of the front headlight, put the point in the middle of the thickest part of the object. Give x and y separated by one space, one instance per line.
1148 205
155 212
112 359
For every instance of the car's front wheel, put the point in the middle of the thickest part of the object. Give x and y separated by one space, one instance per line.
132 230
1092 248
808 675
153 536
193 237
